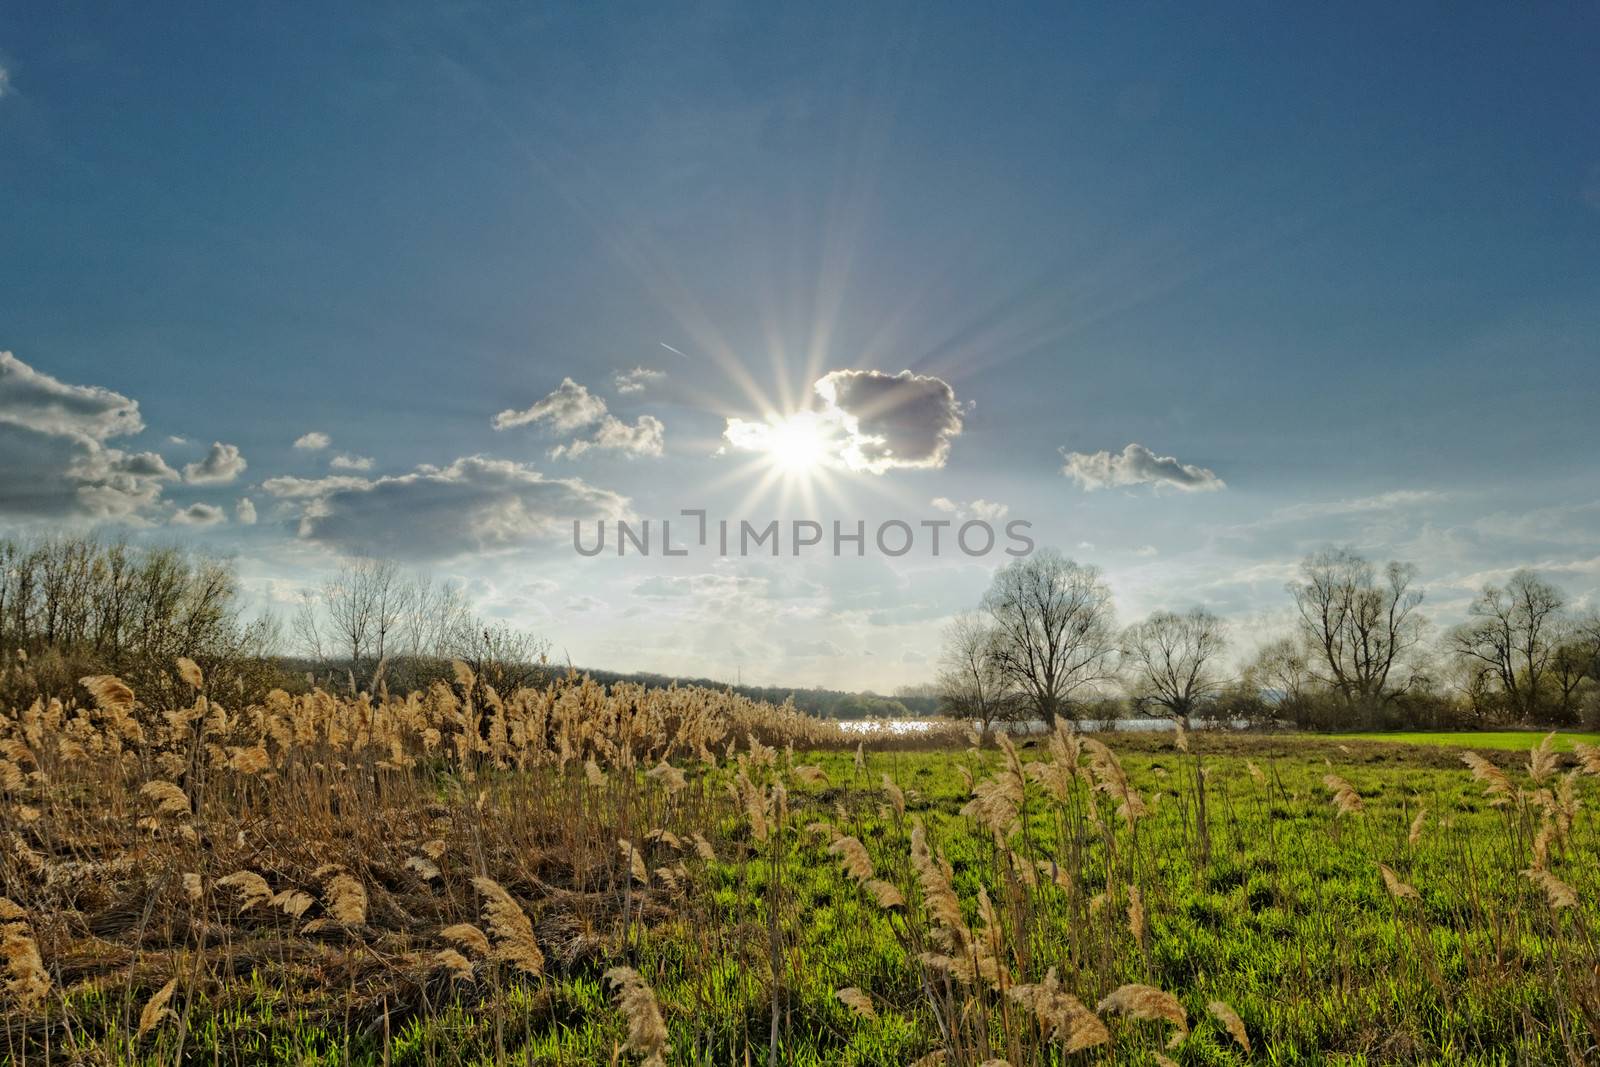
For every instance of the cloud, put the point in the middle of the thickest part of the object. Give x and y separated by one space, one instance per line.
1393 500
979 509
57 462
5 82
199 515
245 511
315 441
868 421
1136 465
643 438
892 420
36 401
570 407
222 465
344 461
475 504
635 380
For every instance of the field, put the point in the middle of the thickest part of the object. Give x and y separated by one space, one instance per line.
576 876
1509 740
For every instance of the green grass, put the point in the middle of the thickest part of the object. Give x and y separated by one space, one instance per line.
1508 740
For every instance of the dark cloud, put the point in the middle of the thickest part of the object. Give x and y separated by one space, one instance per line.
57 464
199 515
893 420
475 504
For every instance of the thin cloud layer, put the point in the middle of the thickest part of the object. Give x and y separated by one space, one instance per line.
57 463
1137 465
475 504
222 465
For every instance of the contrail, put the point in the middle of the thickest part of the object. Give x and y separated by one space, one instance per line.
669 348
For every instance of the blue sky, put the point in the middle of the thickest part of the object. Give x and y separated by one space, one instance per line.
1345 260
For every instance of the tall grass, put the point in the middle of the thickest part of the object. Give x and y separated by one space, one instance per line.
580 875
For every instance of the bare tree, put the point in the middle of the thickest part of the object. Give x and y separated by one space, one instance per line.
1173 660
501 655
308 628
1359 626
1512 634
365 602
433 615
1055 630
972 684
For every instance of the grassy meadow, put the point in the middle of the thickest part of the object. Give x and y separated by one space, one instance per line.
1509 740
583 876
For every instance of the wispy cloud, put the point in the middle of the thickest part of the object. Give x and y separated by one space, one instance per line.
636 380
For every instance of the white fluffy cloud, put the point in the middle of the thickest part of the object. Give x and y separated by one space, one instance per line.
345 461
475 504
868 420
635 380
1136 465
643 438
315 441
570 407
573 407
222 464
57 463
245 511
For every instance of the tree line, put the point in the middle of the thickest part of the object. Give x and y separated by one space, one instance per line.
73 606
76 606
1359 654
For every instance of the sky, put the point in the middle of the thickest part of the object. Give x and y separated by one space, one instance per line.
1192 293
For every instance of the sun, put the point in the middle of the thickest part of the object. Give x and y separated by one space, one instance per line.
799 443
